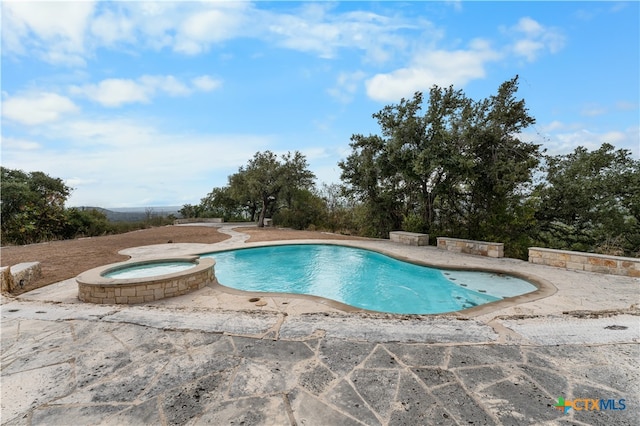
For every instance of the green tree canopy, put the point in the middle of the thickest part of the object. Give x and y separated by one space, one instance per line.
32 206
260 187
591 201
460 168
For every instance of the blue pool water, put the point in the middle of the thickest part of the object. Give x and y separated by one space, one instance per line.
361 278
149 270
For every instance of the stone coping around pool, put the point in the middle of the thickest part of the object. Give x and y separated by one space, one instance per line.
482 248
544 287
94 287
582 261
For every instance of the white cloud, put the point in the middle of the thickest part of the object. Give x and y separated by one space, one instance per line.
37 108
54 31
557 125
529 26
138 161
316 30
69 33
563 138
534 39
115 133
165 83
206 83
445 67
439 67
346 86
115 92
218 22
73 182
19 144
528 48
112 27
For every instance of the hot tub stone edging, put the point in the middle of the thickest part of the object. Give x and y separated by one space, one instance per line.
93 287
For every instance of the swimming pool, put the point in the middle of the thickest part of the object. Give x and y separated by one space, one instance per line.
361 278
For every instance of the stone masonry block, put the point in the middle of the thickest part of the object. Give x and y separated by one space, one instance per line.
128 291
409 238
578 259
154 286
557 263
575 266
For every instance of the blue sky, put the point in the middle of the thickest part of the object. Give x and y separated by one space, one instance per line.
152 104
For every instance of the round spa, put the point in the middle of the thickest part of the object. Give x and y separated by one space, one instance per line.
145 280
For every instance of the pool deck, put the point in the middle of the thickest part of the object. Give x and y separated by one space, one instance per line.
213 357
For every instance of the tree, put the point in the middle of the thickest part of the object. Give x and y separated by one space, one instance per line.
339 208
425 151
372 180
262 183
590 201
220 202
32 206
501 165
458 169
189 211
303 209
85 223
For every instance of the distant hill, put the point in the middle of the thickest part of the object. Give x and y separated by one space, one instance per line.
135 214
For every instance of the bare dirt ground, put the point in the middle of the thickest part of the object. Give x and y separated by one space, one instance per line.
61 260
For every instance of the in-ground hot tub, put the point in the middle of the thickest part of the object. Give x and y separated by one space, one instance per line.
145 281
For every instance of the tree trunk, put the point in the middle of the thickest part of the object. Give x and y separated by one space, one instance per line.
262 213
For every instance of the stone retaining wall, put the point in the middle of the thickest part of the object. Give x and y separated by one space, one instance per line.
409 238
199 220
591 262
482 248
94 288
12 276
